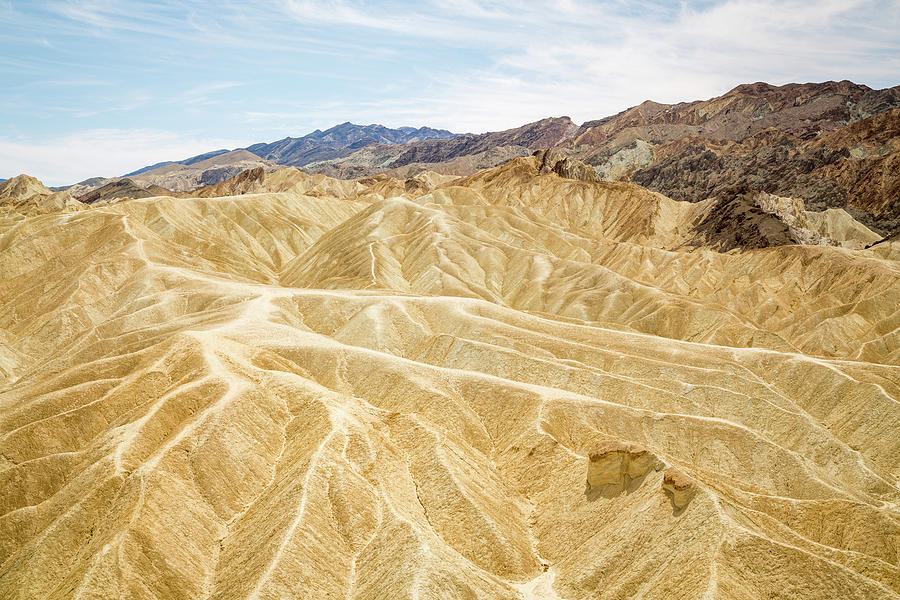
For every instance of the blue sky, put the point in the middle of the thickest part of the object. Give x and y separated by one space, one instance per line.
103 87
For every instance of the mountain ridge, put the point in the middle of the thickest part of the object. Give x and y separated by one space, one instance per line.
338 141
783 140
756 136
185 162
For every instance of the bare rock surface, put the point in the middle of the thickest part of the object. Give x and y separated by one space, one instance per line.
24 191
831 144
615 466
122 188
564 166
680 487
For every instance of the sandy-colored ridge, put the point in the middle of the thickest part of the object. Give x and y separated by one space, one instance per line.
351 390
23 191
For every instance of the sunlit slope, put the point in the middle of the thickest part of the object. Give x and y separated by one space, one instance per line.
603 252
386 389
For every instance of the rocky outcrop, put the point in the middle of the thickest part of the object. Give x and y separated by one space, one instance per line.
833 145
244 182
679 487
834 226
823 177
615 466
739 223
564 166
700 171
185 177
122 188
748 220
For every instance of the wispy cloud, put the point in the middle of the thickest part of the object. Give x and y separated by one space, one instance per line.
158 18
204 93
590 59
341 12
101 152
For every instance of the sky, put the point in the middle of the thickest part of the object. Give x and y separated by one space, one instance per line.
104 87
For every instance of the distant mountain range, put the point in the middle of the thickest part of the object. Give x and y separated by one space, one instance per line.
340 141
333 143
216 166
187 161
832 144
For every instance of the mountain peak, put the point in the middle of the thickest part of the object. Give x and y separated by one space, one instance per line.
340 140
27 190
22 186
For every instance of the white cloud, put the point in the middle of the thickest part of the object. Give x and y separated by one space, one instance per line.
590 61
463 65
99 152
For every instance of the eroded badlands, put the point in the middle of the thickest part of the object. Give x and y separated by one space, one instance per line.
512 385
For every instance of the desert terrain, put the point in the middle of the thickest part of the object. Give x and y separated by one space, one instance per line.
524 383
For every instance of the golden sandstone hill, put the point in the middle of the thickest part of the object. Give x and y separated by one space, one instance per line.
511 385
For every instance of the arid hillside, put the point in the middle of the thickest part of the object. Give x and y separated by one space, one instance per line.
518 384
